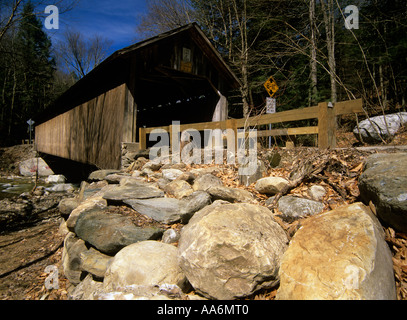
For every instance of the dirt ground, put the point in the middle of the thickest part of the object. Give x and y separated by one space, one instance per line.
24 257
26 253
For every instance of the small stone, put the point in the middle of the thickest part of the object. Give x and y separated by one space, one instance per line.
171 236
271 185
171 174
293 208
317 192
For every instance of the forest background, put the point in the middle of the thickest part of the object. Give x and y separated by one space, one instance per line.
305 45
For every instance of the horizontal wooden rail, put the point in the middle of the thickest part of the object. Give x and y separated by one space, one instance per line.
287 132
326 129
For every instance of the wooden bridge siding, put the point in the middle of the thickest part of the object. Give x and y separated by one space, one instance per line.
91 132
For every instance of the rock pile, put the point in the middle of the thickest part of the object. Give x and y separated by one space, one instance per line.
229 245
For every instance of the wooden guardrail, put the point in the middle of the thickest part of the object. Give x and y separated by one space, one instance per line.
326 128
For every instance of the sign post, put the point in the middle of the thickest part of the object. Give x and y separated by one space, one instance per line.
270 108
271 88
30 127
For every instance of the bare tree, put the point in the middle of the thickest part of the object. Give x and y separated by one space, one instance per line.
81 55
164 15
328 10
313 49
10 11
7 20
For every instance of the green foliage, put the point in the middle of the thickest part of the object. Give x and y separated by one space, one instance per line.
27 75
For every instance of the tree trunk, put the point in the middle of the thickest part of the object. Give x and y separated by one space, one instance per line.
12 102
329 21
313 61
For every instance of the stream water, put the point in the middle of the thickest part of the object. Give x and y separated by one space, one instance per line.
15 185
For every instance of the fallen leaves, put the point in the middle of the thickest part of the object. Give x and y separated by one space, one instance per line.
398 246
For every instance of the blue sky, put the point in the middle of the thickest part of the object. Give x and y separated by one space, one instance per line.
114 20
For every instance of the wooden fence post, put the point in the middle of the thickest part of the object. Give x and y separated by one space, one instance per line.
326 126
232 124
142 138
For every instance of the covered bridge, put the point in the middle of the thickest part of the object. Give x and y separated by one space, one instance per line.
175 76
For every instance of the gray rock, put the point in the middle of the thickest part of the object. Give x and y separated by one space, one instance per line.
372 129
67 205
271 185
171 236
230 194
293 208
274 158
62 187
164 210
71 258
206 181
29 168
115 178
339 255
101 174
110 232
178 189
86 206
317 192
86 289
170 210
384 182
137 190
171 174
58 178
89 289
150 263
193 203
94 262
153 165
229 251
258 169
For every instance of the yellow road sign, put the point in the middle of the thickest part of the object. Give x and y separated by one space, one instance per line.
271 86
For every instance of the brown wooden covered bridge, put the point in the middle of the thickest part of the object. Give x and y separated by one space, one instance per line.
176 76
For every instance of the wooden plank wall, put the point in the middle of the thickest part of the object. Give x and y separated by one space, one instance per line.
90 133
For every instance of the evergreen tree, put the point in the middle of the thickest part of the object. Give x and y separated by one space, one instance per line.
37 66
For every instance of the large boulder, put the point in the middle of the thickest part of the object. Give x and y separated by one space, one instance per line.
384 182
381 126
110 232
30 167
229 251
71 258
145 263
86 206
339 255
